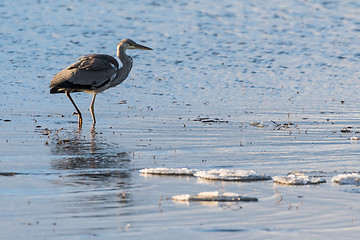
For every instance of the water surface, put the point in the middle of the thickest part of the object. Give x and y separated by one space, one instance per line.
292 66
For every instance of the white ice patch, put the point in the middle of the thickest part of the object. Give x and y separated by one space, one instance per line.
231 175
215 174
182 197
298 179
215 197
169 171
347 179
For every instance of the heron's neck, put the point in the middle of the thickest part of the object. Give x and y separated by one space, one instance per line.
126 61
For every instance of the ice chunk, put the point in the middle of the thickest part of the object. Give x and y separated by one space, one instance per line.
215 197
169 171
182 197
298 179
231 175
214 194
347 179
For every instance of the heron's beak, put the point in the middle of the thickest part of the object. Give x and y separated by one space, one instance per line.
139 46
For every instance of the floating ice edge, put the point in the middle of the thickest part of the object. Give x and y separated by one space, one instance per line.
298 179
347 179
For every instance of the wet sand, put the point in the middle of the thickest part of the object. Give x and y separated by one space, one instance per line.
291 67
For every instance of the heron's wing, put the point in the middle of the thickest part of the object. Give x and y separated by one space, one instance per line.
89 73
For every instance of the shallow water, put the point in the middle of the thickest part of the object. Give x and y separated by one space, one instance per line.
291 66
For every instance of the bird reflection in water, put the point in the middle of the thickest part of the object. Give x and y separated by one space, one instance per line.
90 156
92 172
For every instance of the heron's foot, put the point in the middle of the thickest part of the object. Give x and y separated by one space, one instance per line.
93 130
79 118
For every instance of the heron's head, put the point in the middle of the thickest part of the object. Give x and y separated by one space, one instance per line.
130 44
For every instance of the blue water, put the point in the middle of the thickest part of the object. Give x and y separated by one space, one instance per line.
272 62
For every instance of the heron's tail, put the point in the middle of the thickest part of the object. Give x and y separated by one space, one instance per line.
56 90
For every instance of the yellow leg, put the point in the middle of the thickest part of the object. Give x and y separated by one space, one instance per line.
92 109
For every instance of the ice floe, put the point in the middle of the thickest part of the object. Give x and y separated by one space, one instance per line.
214 196
232 175
169 171
347 179
215 174
298 179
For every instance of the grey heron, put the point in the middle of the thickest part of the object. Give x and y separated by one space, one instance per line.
94 73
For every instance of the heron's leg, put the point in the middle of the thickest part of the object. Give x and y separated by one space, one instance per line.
77 109
92 108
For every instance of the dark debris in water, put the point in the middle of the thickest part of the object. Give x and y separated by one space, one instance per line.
56 114
210 120
289 126
8 174
346 130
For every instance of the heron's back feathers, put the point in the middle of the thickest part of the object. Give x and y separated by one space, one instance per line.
92 73
95 62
